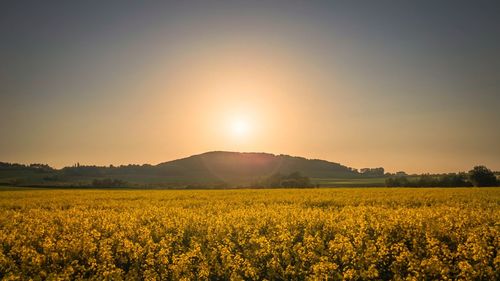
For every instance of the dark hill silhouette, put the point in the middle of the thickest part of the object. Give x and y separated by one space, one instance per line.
216 167
243 167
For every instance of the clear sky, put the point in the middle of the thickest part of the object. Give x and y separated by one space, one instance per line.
411 86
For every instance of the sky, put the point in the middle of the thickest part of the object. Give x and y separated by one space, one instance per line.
406 85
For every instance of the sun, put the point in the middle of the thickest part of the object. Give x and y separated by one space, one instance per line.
240 127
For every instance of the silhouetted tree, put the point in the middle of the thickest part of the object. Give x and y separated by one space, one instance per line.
451 180
482 176
428 180
294 179
108 183
397 182
372 172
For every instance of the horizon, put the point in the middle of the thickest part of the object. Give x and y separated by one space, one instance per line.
408 87
239 152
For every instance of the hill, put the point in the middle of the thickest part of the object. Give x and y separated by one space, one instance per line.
240 168
210 168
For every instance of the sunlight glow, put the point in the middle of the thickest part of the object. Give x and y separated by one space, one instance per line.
240 127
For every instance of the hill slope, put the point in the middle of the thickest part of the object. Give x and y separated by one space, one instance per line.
237 167
215 167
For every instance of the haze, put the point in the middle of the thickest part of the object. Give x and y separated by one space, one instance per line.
411 87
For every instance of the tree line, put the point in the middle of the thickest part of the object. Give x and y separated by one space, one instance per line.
479 176
294 179
36 167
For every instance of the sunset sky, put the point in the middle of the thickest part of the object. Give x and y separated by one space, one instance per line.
413 86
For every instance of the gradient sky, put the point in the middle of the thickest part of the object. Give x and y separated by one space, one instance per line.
411 86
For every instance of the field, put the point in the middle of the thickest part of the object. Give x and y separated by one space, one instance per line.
281 234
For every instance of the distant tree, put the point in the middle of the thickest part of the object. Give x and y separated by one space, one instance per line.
35 167
455 180
397 182
108 183
294 179
428 180
390 182
373 172
482 176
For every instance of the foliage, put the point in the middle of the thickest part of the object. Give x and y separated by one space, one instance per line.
233 168
427 180
35 167
482 176
293 234
479 176
372 172
108 183
294 179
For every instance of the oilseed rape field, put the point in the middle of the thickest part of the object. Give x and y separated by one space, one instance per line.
274 234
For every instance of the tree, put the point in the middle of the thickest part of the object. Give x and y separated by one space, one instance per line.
372 172
397 182
482 176
108 183
294 179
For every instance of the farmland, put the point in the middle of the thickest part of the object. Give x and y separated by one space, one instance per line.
274 234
